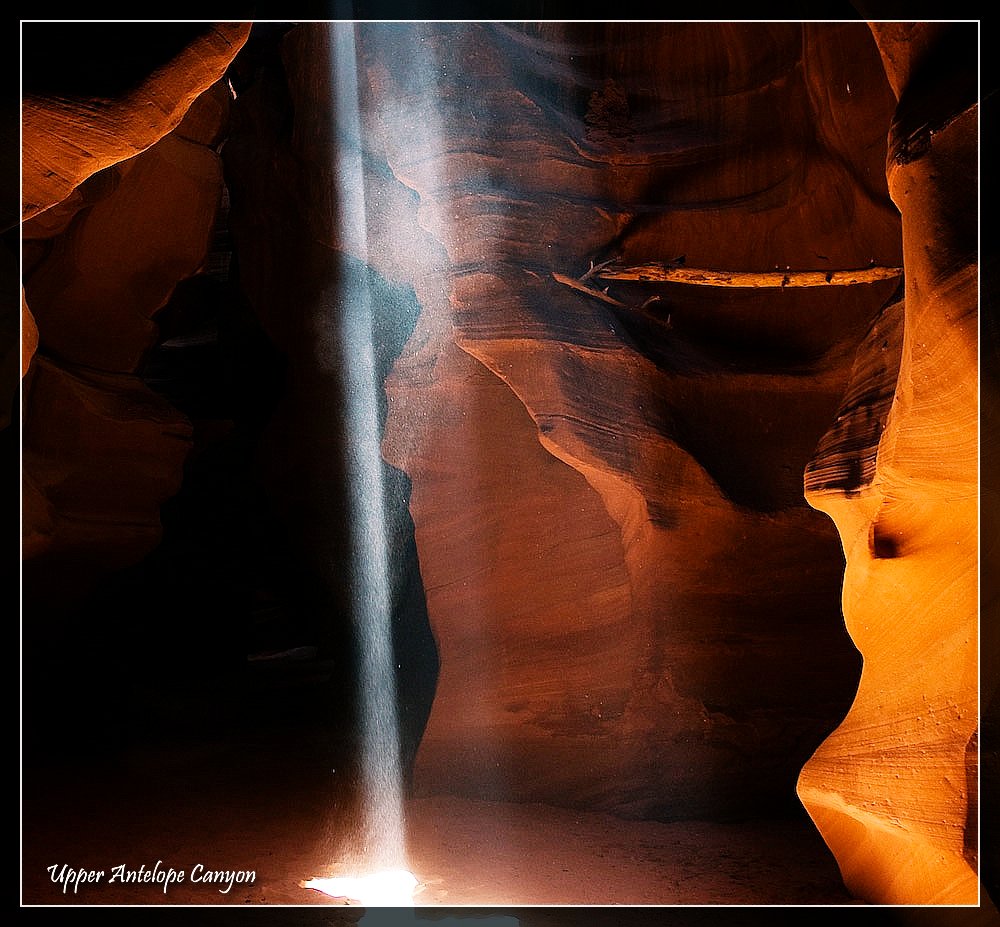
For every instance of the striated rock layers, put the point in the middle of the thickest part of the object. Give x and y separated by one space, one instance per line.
893 789
634 608
120 194
129 85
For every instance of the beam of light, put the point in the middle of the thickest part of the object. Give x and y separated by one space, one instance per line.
385 888
379 852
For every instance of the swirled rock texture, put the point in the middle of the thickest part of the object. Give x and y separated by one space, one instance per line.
126 95
624 582
634 608
120 193
893 789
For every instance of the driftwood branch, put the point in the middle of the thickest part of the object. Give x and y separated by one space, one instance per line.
656 272
597 268
667 272
576 284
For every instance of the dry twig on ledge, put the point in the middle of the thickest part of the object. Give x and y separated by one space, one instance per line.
657 272
577 284
673 272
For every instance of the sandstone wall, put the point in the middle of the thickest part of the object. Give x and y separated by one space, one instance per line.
893 790
646 620
119 200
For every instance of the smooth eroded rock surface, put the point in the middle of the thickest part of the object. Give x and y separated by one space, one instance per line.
98 463
893 790
118 210
661 683
70 135
594 500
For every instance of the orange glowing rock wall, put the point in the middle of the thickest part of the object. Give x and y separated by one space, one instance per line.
119 199
643 619
893 789
634 608
67 139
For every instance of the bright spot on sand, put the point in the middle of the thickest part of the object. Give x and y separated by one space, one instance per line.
388 888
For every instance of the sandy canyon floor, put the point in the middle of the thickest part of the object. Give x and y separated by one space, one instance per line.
262 815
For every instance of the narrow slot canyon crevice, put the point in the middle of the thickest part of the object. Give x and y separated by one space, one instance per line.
682 578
